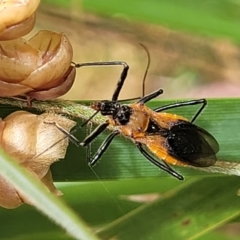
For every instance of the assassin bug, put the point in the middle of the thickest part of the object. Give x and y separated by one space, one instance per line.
171 138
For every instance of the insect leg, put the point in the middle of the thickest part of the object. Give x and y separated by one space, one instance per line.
86 142
88 139
103 147
166 168
182 104
68 135
98 130
91 136
113 63
150 96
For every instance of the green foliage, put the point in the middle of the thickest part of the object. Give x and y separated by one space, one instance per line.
103 196
212 18
184 209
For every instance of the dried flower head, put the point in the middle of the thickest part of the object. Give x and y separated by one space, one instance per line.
39 68
17 18
25 137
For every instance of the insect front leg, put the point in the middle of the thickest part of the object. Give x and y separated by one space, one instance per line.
203 102
87 141
97 131
68 135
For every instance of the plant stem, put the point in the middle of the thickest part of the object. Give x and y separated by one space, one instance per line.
58 106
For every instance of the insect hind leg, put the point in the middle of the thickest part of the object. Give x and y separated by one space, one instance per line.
165 167
185 103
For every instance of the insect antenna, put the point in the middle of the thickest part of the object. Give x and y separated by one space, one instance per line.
146 71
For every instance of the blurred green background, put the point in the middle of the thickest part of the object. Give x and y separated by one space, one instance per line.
193 45
194 48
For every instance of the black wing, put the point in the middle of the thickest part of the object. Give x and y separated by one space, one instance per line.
192 144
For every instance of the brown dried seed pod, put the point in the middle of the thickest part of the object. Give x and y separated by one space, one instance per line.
18 30
25 137
39 68
17 18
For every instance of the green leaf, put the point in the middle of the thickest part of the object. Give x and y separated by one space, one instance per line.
187 213
210 201
184 210
44 201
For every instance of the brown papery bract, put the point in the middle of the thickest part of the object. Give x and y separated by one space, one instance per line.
25 137
39 68
17 18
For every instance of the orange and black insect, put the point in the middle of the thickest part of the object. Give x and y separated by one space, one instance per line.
171 138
